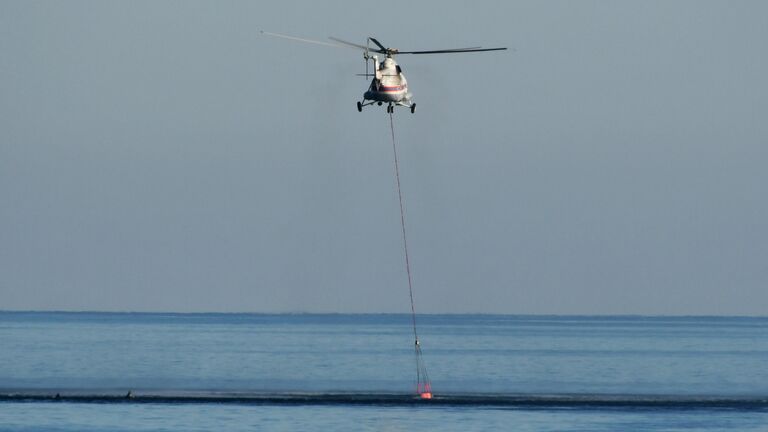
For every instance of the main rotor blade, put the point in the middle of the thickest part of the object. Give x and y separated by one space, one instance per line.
298 39
363 47
451 51
383 49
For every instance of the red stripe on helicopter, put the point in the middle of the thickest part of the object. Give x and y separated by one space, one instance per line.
391 88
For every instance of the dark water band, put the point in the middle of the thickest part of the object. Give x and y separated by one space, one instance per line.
392 399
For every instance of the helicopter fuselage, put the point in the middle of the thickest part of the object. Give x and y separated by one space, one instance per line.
388 86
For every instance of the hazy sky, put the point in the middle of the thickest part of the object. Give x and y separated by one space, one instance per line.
164 156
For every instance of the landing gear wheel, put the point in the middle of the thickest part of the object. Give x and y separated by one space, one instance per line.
359 107
413 108
379 103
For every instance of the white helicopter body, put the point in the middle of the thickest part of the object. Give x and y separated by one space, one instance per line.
388 86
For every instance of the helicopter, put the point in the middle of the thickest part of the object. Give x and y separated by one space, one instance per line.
388 84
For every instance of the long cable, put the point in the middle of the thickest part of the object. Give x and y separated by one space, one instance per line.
423 386
402 225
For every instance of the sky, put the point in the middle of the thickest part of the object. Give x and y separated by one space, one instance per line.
166 156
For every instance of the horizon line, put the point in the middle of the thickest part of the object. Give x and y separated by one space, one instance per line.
160 312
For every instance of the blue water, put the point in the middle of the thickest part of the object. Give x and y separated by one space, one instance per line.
536 355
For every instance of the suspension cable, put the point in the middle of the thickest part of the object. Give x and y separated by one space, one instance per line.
423 385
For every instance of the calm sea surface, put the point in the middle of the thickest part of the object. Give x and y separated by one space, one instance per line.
521 355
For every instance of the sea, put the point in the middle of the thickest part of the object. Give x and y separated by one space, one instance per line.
90 371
